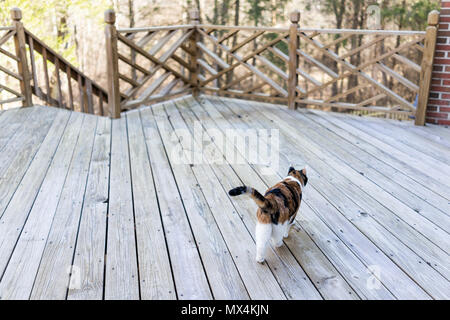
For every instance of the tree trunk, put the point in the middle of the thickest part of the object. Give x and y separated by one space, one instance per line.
356 40
131 25
234 42
339 9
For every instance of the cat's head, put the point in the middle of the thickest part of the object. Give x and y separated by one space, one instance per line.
299 175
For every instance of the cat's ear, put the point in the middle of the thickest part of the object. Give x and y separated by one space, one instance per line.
304 170
291 169
304 176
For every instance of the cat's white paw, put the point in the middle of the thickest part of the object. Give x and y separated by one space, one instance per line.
279 244
286 235
260 259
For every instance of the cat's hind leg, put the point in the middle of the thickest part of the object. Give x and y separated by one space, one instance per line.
278 232
263 233
288 228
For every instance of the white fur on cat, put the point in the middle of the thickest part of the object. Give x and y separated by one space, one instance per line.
296 180
263 234
267 231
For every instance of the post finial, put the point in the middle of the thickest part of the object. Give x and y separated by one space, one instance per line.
433 18
110 16
294 16
194 15
16 14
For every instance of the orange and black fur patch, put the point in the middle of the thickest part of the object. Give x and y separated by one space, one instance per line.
281 202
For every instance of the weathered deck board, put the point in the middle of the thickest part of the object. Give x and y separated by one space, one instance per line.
89 261
429 133
154 265
24 142
379 194
434 150
121 278
383 184
93 208
414 156
187 267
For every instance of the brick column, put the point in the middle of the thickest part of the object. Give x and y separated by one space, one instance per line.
438 109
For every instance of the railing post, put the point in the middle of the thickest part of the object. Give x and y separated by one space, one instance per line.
194 17
112 64
21 53
426 68
293 59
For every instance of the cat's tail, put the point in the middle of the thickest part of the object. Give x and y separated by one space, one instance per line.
259 199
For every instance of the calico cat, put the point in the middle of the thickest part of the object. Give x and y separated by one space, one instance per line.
277 209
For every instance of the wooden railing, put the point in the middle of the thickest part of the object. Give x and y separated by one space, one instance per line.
47 75
375 71
378 71
87 96
147 64
11 69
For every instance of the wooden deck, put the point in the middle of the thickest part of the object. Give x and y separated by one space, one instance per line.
92 208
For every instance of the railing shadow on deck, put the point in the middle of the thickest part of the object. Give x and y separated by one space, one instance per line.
384 72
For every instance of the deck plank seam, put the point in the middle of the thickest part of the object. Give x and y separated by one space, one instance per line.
403 171
107 212
134 213
236 209
370 128
159 207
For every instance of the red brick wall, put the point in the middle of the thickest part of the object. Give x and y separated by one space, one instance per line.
438 109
